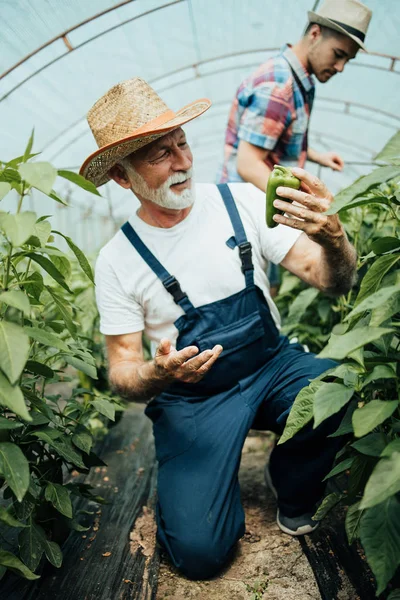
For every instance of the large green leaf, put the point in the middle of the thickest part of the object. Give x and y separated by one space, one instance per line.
33 284
326 505
375 299
301 412
11 397
394 595
14 468
48 266
385 311
391 149
83 261
380 372
79 180
342 466
82 366
58 495
371 445
16 299
362 185
380 537
18 228
40 234
47 338
371 415
65 312
63 447
4 189
82 439
31 545
299 306
53 553
14 350
6 423
340 346
352 524
329 399
384 481
40 175
385 244
105 407
9 560
8 519
346 426
375 274
393 446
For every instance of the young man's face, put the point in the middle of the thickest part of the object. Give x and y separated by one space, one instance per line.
328 54
162 171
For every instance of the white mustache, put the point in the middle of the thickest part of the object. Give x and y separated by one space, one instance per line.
179 177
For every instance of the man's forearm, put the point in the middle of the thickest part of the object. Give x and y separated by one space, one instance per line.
137 382
312 155
339 267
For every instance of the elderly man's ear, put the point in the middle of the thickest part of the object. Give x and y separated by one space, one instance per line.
118 173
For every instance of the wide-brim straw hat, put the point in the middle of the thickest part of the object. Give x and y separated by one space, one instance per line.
129 116
349 17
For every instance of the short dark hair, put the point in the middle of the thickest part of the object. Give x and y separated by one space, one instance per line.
325 31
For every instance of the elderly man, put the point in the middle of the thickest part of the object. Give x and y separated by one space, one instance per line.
188 269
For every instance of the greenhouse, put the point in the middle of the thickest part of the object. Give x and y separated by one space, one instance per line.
213 413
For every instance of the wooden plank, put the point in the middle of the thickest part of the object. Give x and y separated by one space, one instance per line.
128 483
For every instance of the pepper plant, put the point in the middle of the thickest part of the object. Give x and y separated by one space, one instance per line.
46 341
360 331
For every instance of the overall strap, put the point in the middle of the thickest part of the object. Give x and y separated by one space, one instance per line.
244 246
170 283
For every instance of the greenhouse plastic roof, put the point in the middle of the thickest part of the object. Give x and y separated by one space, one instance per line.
186 49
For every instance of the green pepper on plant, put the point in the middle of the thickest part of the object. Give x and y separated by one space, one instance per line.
279 176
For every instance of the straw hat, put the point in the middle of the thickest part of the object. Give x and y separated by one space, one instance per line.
129 116
350 17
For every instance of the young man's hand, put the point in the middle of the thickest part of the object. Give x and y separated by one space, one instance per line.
183 365
332 160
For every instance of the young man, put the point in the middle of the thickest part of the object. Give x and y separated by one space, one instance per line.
269 119
189 270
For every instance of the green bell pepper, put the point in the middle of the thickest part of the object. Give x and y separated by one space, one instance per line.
279 176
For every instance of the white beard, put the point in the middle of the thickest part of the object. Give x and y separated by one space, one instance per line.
163 196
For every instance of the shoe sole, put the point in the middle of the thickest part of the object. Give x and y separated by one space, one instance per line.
304 530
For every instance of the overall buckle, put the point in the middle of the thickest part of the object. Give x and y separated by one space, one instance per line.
245 256
172 286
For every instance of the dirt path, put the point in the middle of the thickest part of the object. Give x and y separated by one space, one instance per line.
269 565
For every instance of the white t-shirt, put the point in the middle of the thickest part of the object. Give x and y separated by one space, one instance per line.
131 298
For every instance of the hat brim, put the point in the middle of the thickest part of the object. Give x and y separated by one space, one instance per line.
97 165
314 17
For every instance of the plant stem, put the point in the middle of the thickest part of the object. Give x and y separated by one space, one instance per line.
7 273
21 198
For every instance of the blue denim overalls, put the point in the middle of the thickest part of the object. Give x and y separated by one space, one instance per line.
200 428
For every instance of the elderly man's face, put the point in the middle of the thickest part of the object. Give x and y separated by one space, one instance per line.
162 171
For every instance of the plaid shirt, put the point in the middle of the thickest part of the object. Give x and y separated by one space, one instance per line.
271 110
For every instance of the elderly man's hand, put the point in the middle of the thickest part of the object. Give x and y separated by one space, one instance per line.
184 365
309 204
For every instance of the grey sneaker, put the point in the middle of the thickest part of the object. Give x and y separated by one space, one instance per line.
296 525
268 481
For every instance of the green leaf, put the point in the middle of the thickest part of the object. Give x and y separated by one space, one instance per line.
40 234
4 189
385 244
40 175
11 396
46 338
8 519
329 399
84 263
9 560
371 445
63 446
107 409
48 266
82 366
39 369
375 299
385 311
393 446
16 299
64 310
300 305
394 595
18 228
352 524
326 505
53 553
31 544
380 537
379 372
346 426
342 466
390 150
384 481
340 346
6 423
57 198
14 350
58 495
28 148
371 415
301 412
375 274
80 181
14 468
362 185
82 439
33 285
